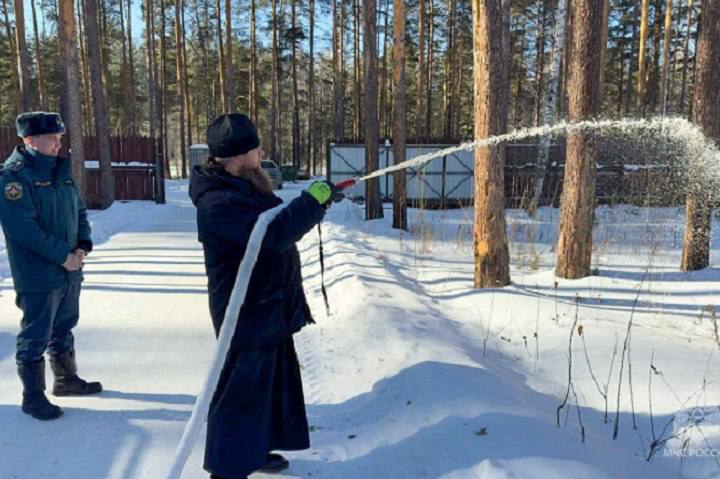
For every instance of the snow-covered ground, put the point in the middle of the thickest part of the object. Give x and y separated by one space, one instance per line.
415 373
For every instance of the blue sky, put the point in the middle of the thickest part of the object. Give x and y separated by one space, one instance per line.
241 25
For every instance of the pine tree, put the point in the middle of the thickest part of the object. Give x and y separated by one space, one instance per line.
399 115
72 114
490 111
705 114
578 197
373 203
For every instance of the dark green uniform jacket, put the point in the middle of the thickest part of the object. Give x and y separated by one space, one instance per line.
43 218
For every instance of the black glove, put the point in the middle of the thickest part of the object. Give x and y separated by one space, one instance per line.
337 194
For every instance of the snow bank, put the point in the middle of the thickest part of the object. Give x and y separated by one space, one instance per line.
415 373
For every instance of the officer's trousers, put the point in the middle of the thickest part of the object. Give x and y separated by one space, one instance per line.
47 322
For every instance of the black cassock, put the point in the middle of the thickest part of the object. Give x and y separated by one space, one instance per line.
258 405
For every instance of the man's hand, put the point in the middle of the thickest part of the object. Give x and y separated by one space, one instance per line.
81 254
72 263
325 193
322 191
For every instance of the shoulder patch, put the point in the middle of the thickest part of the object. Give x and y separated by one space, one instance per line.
13 191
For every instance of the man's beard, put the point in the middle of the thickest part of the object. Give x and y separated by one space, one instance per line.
259 178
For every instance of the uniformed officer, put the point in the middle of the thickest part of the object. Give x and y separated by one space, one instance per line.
48 236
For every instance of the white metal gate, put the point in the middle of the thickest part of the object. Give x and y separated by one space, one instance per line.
447 179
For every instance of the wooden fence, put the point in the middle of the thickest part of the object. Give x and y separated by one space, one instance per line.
127 149
131 183
625 173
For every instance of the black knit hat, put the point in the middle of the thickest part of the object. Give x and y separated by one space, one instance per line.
231 134
34 123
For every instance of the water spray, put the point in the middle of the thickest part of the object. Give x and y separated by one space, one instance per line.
703 166
698 149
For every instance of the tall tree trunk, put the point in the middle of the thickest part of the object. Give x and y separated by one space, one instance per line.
160 110
70 90
221 60
104 38
23 59
162 96
124 75
132 121
430 61
399 116
539 60
631 59
673 60
213 96
186 87
204 40
654 78
383 76
357 121
10 36
230 70
38 55
295 95
666 57
578 198
274 130
604 44
252 97
284 102
518 111
323 134
312 131
620 83
457 95
567 53
505 7
549 108
693 63
622 43
642 62
61 54
373 203
490 112
88 117
706 115
421 75
388 112
686 57
150 66
449 69
339 69
102 127
180 86
429 82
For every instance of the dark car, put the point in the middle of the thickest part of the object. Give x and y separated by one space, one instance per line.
275 174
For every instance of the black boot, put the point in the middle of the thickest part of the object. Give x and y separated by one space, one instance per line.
34 401
274 462
67 382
